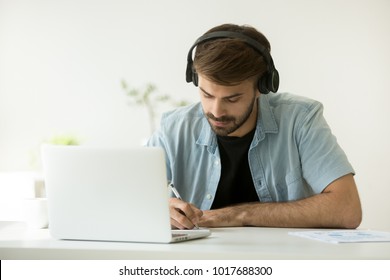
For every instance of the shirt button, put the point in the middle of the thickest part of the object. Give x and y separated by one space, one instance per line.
209 196
216 162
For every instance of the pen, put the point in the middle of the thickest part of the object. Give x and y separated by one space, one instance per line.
177 195
174 190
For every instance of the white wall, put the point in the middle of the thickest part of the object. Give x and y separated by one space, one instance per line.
61 63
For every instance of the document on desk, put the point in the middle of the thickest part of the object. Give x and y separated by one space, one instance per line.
344 236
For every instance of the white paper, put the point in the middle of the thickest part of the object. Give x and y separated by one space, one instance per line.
344 236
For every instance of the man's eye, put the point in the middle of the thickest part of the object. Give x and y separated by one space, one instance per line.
233 100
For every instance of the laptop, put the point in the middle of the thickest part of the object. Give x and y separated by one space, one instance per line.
109 194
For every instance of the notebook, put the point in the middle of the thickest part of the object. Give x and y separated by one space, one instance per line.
109 194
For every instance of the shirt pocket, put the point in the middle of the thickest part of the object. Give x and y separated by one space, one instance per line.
291 186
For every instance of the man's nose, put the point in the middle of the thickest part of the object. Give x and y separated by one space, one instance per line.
218 109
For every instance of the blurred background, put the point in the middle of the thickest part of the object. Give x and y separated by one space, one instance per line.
63 64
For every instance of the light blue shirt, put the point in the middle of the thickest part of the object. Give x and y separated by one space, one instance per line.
293 154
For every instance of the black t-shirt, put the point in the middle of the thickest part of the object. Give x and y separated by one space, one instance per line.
236 183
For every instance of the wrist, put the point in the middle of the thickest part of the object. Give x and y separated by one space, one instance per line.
243 215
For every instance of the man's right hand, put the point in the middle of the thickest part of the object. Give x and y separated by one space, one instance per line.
183 214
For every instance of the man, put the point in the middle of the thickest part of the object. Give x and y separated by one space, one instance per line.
242 157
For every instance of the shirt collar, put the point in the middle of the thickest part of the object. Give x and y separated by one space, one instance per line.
207 136
266 122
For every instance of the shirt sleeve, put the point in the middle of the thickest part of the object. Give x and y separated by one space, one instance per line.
322 158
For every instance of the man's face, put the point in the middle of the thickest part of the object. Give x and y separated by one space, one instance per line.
230 110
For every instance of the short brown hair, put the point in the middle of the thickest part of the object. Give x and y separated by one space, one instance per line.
229 61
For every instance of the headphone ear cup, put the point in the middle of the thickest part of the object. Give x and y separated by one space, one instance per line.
273 81
189 73
262 84
195 78
269 82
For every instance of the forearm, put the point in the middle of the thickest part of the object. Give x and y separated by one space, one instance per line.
337 207
311 212
285 214
317 211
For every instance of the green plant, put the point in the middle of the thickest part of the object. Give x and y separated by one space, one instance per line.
64 140
60 139
149 97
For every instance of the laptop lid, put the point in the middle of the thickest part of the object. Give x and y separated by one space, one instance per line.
113 194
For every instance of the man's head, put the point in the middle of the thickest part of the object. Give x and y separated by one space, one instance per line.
229 54
232 66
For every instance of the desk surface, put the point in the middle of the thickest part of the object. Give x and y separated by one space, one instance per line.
18 242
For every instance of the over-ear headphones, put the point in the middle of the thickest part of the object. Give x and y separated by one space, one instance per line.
270 79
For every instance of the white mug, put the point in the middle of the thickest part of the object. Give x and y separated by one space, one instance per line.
35 212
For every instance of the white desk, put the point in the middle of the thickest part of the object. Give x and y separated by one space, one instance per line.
18 242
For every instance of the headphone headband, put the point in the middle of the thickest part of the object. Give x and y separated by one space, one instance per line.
268 82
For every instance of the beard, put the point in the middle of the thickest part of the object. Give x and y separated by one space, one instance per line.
230 123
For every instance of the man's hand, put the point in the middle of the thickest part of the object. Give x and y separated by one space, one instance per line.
183 215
